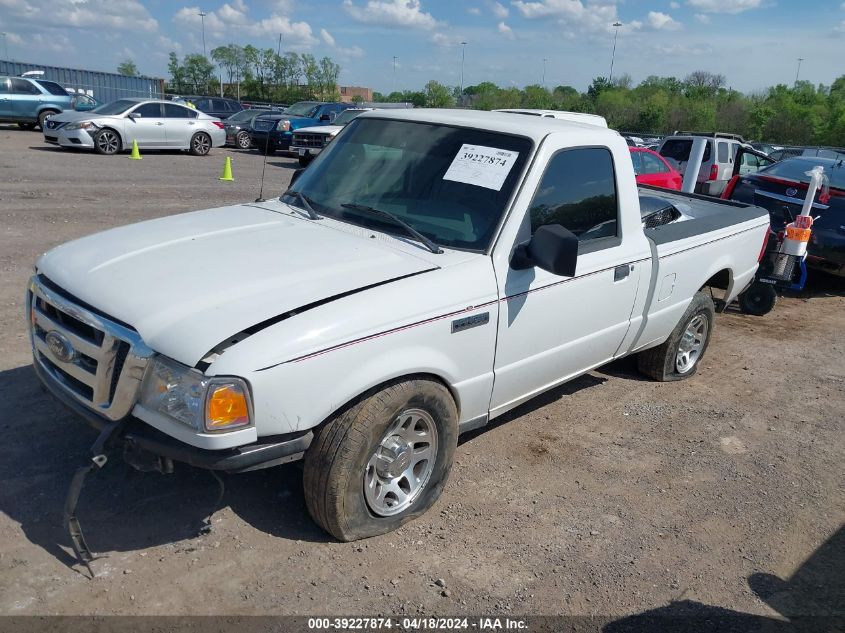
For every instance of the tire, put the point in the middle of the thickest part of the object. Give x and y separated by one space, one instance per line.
304 161
42 116
670 361
200 144
759 299
243 141
344 480
107 142
26 126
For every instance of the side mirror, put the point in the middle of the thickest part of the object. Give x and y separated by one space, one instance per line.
296 174
325 117
552 248
134 115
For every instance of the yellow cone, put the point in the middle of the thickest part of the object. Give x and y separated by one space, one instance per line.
135 155
227 169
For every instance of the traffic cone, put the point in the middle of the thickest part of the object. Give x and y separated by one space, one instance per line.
227 169
135 155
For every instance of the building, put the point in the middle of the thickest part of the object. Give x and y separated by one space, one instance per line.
348 93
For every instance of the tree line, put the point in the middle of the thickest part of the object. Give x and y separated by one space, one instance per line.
255 74
802 114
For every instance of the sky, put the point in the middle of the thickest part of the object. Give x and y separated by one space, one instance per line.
754 43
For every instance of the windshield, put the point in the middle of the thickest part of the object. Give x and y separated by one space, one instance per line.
346 116
796 169
115 107
243 115
451 184
303 108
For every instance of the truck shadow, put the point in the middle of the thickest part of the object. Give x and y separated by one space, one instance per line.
811 599
120 508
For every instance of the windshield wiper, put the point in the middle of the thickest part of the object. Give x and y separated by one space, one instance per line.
304 201
434 248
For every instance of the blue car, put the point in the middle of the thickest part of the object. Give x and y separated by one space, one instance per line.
273 132
28 102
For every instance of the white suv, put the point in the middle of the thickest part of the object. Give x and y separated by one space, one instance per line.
717 165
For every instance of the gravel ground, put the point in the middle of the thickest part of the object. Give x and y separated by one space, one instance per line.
610 496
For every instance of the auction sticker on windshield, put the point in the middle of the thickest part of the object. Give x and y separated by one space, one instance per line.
481 166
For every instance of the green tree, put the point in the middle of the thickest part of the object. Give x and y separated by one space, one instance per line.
198 72
437 95
177 82
127 68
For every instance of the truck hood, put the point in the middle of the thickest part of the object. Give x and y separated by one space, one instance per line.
189 282
329 130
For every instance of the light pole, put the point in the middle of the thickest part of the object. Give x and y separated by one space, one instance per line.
394 73
800 59
463 57
202 15
6 45
616 24
544 72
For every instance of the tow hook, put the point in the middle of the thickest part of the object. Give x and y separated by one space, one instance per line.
98 450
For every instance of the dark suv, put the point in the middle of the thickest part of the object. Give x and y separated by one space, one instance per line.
215 106
28 102
271 132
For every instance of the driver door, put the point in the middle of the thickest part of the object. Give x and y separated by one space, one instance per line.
553 328
148 127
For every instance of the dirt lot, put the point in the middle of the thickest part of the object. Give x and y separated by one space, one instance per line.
612 495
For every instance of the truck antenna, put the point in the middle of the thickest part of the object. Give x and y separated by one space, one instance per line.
260 197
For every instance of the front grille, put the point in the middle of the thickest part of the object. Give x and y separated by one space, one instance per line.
51 139
97 360
263 125
659 218
316 141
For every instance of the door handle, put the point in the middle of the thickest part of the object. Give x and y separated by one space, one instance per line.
159 123
621 272
192 122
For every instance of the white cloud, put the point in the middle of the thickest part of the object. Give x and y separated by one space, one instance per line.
441 39
474 11
403 13
499 10
674 5
724 6
327 37
505 31
662 21
121 15
234 18
573 15
700 17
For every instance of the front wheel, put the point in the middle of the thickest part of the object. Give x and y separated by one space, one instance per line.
679 356
242 140
759 299
200 144
107 141
42 117
383 460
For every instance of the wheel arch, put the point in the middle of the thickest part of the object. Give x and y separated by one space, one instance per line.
119 135
723 280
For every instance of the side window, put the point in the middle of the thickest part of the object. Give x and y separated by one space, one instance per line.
203 104
637 159
652 164
149 111
4 85
53 88
578 191
173 111
218 105
23 87
723 151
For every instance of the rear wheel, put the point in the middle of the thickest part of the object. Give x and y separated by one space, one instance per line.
383 461
759 299
678 358
42 117
107 141
200 144
242 140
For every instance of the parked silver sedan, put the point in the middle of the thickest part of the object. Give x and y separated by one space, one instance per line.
153 123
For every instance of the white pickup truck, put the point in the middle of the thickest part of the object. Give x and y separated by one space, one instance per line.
429 271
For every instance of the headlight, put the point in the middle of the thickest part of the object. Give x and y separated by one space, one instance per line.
207 404
82 125
284 126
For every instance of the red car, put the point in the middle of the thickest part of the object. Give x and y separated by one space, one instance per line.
652 169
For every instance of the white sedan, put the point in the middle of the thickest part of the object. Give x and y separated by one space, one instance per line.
152 123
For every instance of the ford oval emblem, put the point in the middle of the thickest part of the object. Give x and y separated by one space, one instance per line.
60 346
792 192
